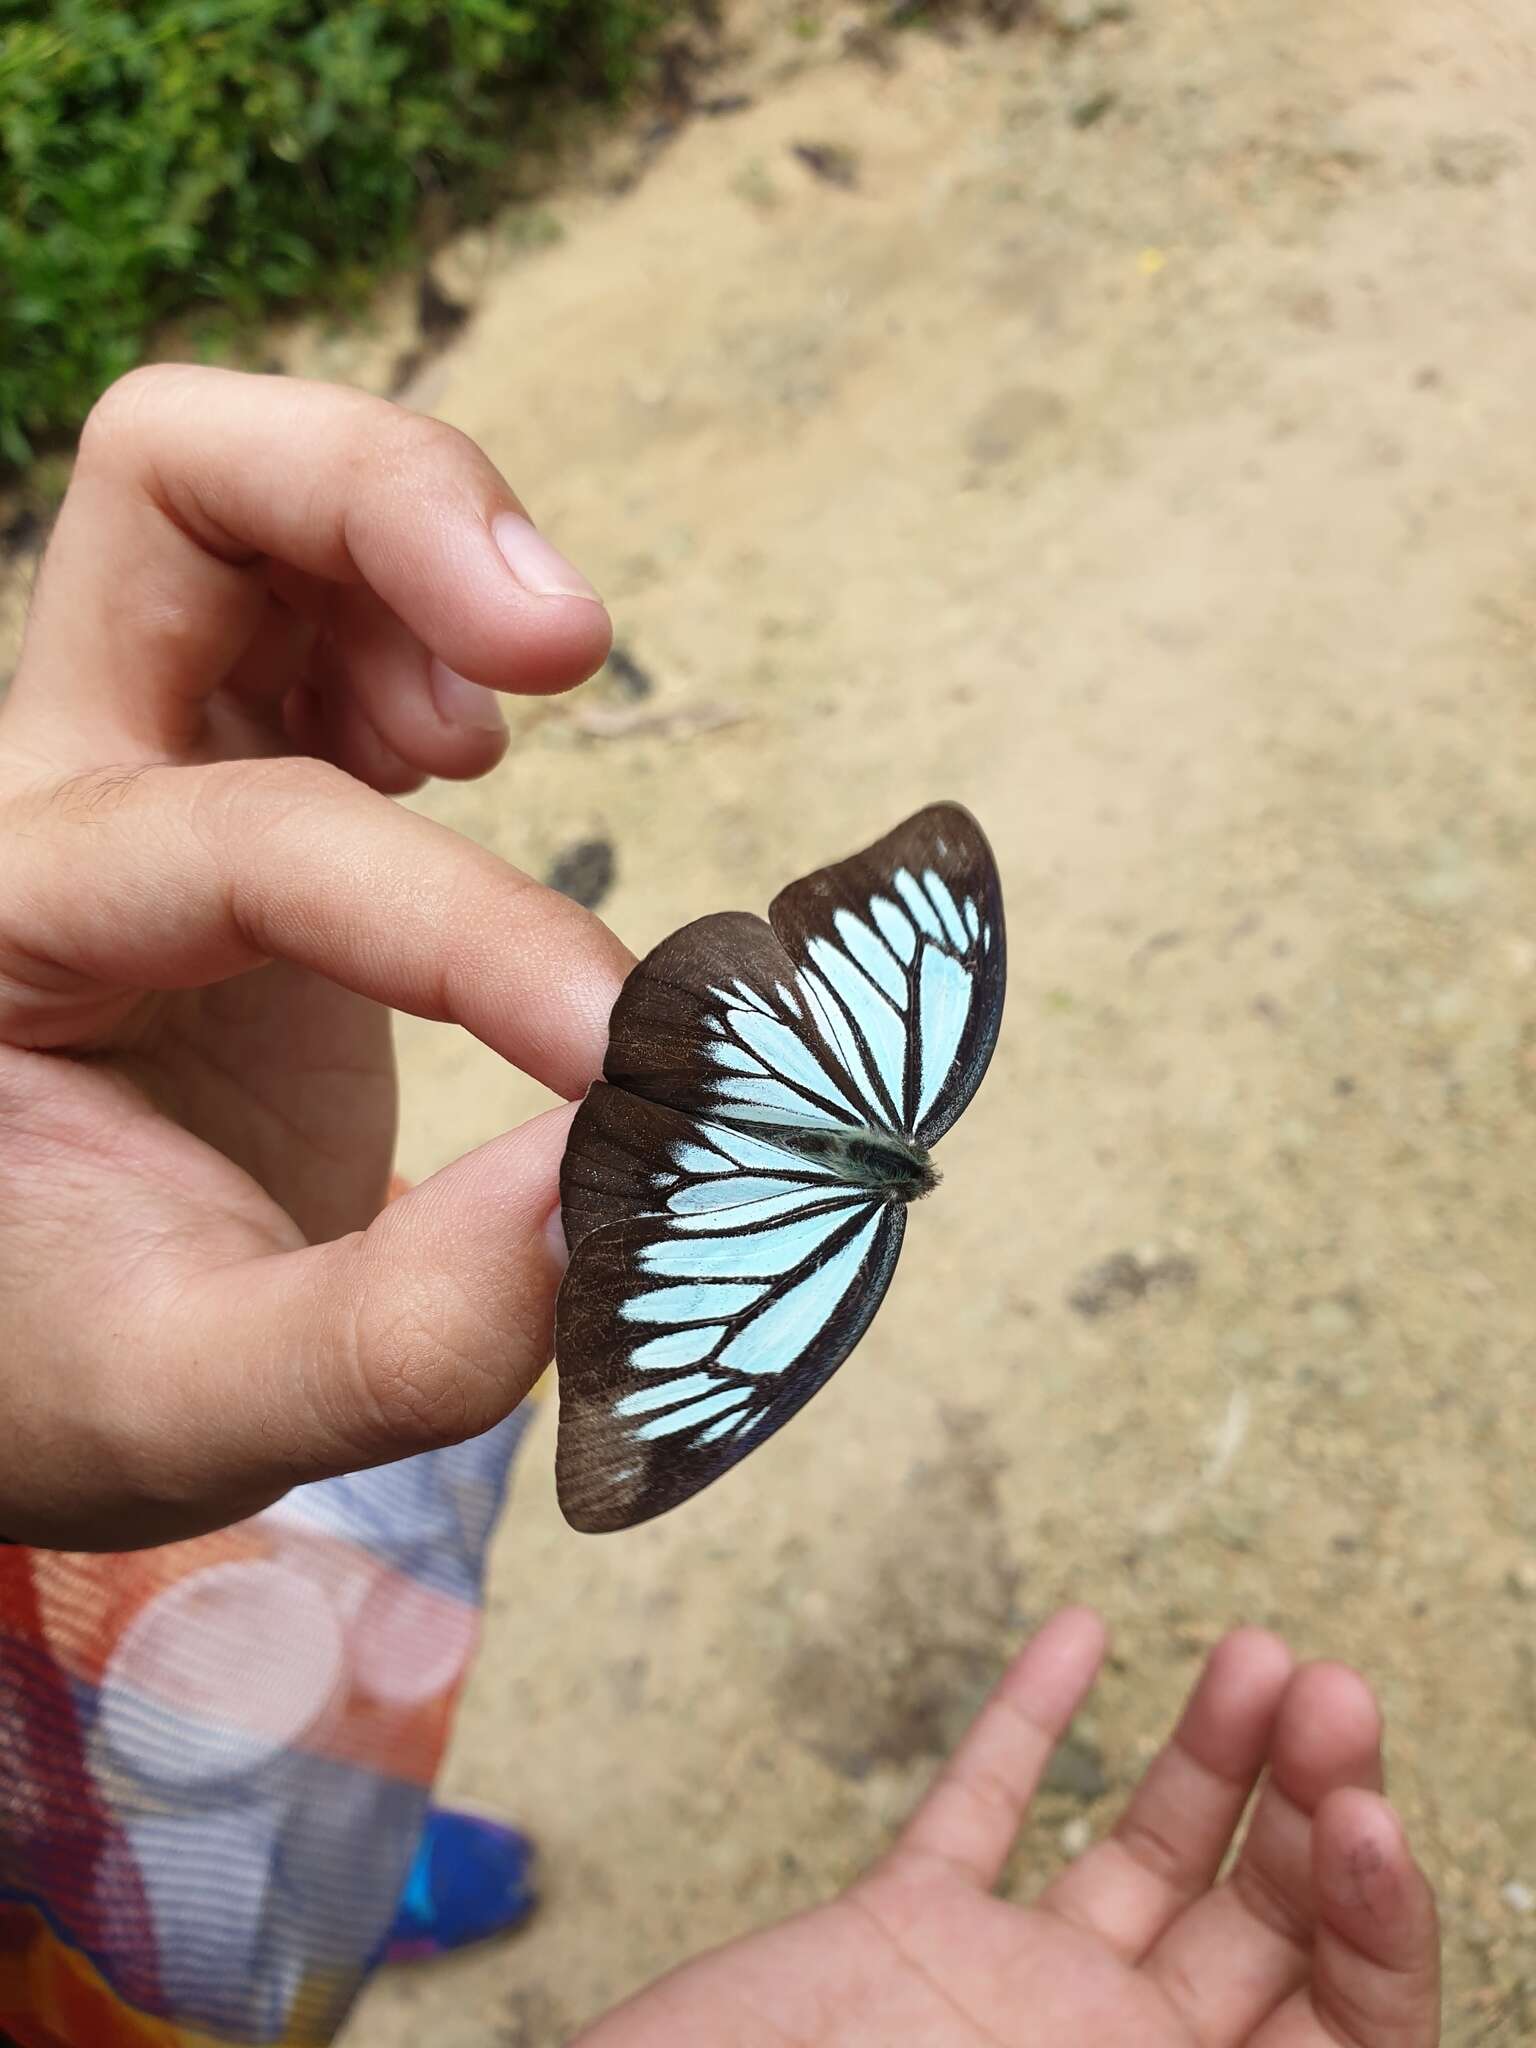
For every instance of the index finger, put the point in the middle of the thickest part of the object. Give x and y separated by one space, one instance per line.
974 1809
191 481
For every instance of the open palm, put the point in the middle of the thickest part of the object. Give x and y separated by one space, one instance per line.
1322 1935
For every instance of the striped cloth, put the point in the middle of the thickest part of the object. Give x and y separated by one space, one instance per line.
215 1757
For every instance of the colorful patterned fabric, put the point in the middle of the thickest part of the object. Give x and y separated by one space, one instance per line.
216 1757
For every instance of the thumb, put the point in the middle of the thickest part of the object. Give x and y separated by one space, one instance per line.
422 1330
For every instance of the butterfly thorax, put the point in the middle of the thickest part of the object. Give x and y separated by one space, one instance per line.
865 1158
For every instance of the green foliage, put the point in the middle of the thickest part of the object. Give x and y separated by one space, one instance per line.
244 155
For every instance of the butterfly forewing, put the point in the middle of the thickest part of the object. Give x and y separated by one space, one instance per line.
903 946
714 1023
726 1252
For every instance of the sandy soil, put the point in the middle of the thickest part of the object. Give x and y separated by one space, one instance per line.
1142 450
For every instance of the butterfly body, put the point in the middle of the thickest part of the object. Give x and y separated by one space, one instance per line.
875 1160
734 1191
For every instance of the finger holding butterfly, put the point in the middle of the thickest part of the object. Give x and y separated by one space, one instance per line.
201 936
242 562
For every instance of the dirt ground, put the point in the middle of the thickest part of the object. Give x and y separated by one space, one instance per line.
1141 448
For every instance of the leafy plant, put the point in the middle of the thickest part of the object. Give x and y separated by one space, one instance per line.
246 155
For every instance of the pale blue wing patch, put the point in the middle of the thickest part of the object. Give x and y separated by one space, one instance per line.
697 1411
947 908
734 1191
751 996
698 1159
895 928
777 1335
924 916
725 1427
742 1215
757 1155
686 1388
785 1054
771 1102
725 1052
873 955
839 1035
884 1032
944 1003
677 1348
743 1254
973 918
698 1304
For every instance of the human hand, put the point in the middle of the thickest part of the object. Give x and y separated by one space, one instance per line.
254 619
1323 1935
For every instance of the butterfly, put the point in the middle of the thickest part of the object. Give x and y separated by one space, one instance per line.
734 1190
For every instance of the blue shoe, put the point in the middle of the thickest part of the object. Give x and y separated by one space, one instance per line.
471 1879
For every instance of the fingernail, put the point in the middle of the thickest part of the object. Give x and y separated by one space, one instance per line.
462 702
542 570
554 1239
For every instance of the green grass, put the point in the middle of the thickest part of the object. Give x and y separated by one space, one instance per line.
237 157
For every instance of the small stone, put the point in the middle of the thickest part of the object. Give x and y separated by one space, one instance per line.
1333 1316
584 872
1078 17
1126 1277
1474 159
1076 1771
1011 420
630 679
1075 1837
830 162
1448 883
1089 112
1518 1897
1248 1346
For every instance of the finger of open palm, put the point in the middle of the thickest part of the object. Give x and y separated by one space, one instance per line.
1234 1955
1375 1980
1168 1845
968 1820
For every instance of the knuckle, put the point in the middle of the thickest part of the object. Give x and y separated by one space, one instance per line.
988 1791
245 799
1269 1902
117 416
423 1366
402 442
1155 1850
247 821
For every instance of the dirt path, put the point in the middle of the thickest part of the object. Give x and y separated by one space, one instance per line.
1143 451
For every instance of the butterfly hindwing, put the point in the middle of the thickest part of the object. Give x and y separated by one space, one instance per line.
728 1245
701 1328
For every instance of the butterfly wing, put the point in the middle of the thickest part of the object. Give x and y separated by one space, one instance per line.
902 958
716 1282
714 1022
716 1278
873 995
